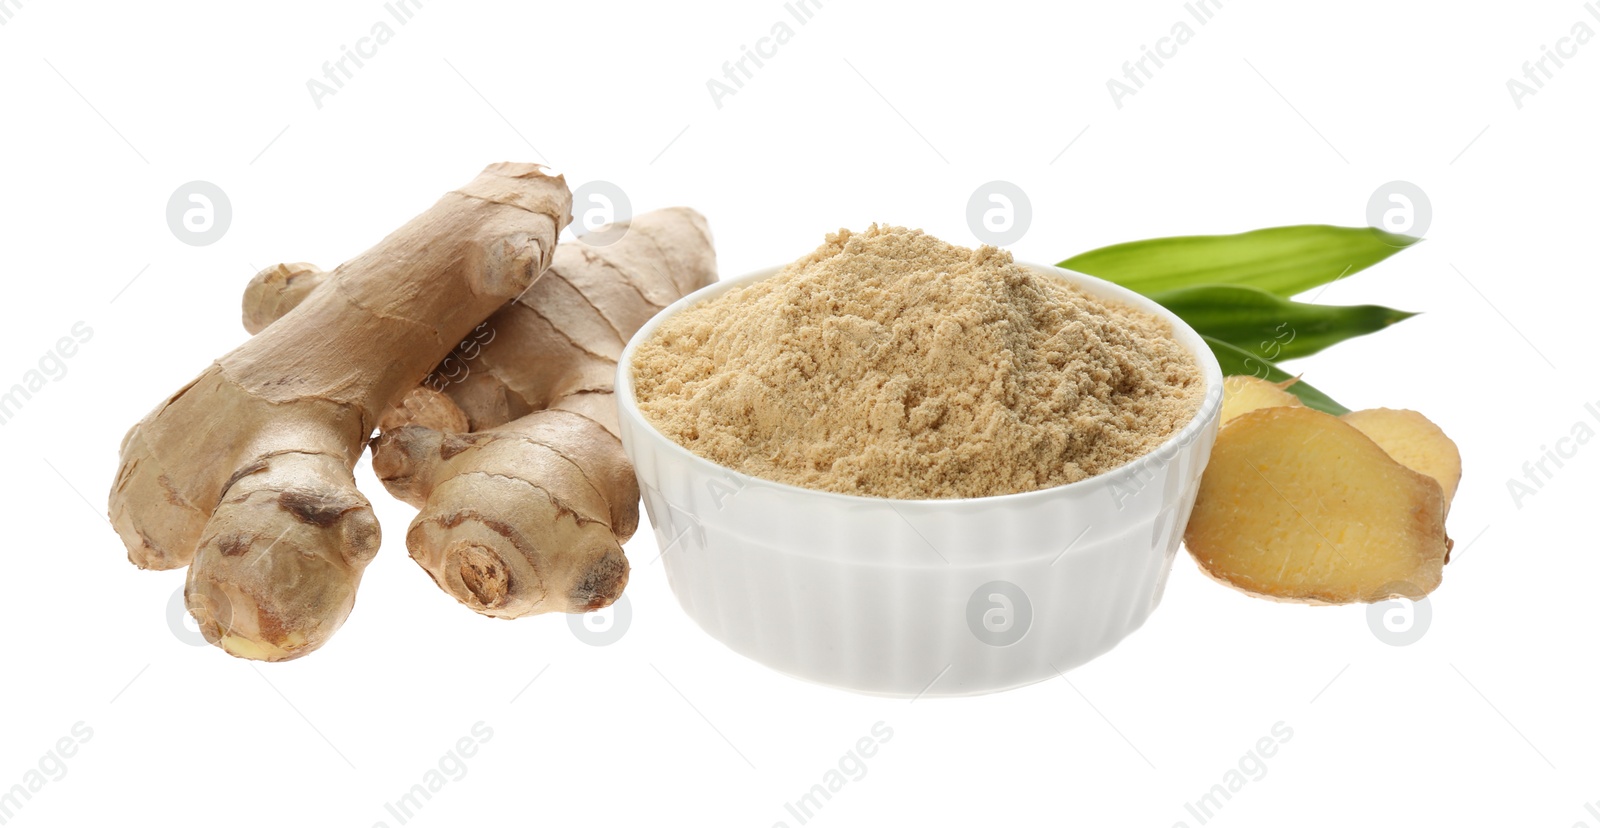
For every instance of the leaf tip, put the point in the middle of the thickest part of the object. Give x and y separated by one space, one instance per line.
1398 240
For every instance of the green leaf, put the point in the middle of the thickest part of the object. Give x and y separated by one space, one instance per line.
1270 326
1237 362
1280 260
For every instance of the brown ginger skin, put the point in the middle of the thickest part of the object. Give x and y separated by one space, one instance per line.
527 513
245 473
276 291
525 518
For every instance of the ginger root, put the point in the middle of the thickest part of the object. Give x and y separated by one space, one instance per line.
244 474
276 291
1297 504
527 513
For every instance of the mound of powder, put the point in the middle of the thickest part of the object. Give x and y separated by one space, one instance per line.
888 363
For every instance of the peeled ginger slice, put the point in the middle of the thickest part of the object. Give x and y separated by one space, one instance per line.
1297 504
1241 394
1414 441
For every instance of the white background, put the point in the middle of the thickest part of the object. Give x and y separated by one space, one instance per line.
1274 113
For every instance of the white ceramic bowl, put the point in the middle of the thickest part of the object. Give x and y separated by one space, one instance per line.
920 597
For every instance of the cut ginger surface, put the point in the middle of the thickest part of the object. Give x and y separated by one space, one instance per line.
1413 441
1297 504
1243 394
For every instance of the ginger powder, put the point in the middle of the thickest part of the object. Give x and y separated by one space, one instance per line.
888 363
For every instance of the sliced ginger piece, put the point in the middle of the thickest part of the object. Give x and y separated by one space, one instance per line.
1246 393
1414 441
1296 504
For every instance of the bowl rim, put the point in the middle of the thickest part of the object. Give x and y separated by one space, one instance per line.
1209 410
